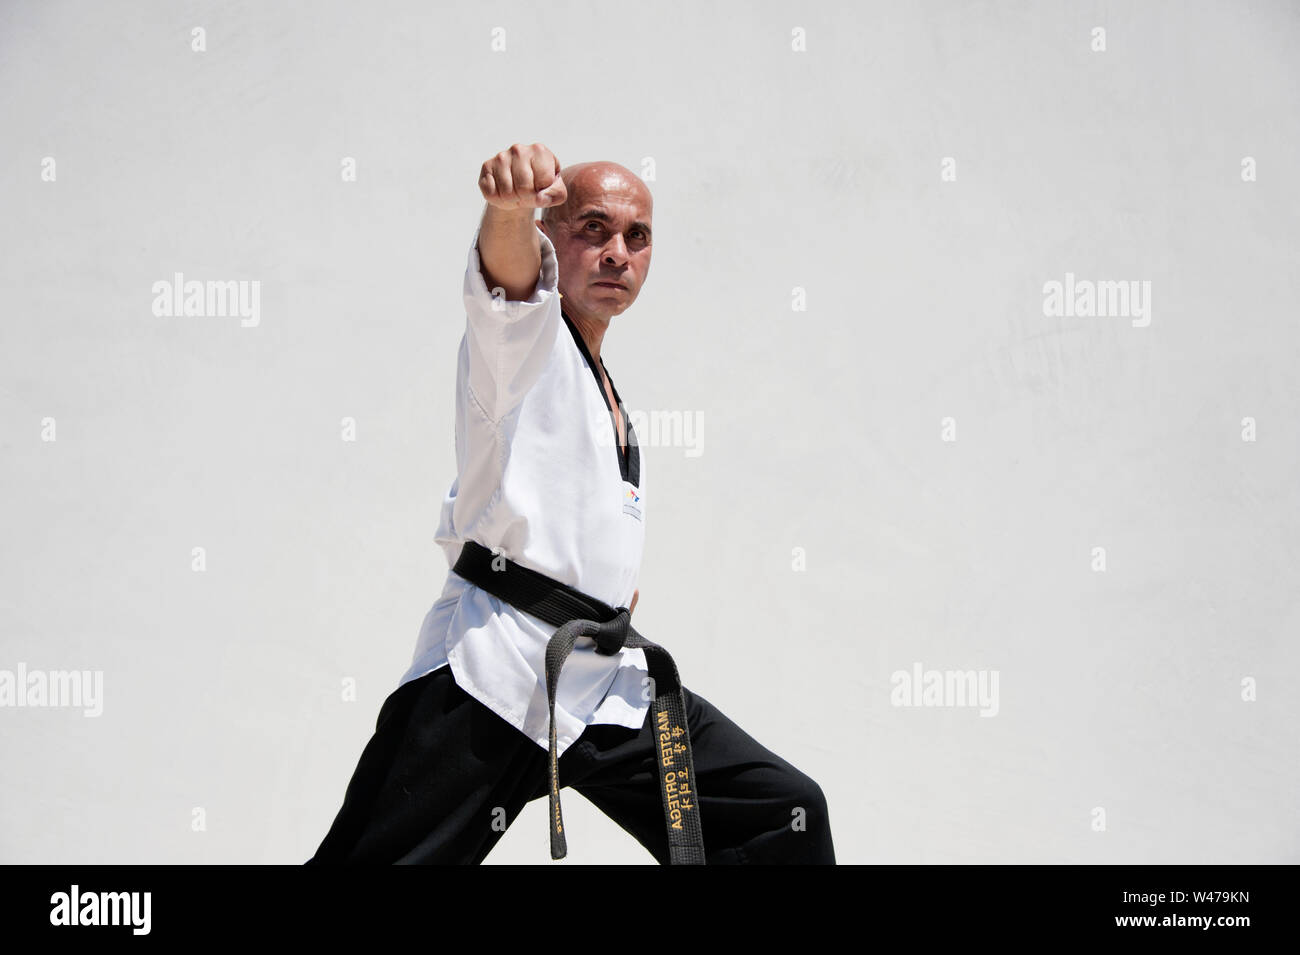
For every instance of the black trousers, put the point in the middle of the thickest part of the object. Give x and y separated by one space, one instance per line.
443 776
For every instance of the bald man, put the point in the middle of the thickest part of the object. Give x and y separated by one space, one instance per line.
527 676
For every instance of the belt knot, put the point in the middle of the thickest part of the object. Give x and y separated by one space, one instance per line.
612 634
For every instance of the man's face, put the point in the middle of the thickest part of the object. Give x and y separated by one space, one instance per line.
603 244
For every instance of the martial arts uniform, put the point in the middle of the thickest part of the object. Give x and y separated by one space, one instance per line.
539 476
462 743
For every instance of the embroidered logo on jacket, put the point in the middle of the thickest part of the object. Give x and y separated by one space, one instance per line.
632 502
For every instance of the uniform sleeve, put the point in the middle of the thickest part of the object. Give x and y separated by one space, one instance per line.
509 342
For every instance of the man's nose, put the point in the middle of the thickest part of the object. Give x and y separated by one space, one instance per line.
616 250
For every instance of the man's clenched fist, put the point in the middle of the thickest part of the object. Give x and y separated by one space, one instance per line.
522 177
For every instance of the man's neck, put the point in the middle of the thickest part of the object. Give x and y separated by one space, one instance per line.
592 331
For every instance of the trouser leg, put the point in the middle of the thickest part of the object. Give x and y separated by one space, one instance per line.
754 806
438 782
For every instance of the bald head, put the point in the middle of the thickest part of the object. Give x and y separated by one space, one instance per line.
590 181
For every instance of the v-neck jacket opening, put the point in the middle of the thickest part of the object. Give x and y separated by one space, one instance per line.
629 464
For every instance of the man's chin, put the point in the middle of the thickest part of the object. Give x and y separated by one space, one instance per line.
605 306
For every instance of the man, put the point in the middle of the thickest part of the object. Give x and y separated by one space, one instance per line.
551 482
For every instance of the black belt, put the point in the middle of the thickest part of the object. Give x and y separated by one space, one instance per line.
578 615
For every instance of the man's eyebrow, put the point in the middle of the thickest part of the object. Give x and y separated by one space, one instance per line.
606 218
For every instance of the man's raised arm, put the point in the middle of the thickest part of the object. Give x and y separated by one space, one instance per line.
515 182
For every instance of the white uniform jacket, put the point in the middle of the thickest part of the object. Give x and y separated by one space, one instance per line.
541 477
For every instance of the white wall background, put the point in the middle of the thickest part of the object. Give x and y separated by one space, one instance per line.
774 169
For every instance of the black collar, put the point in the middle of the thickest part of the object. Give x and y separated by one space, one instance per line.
629 462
